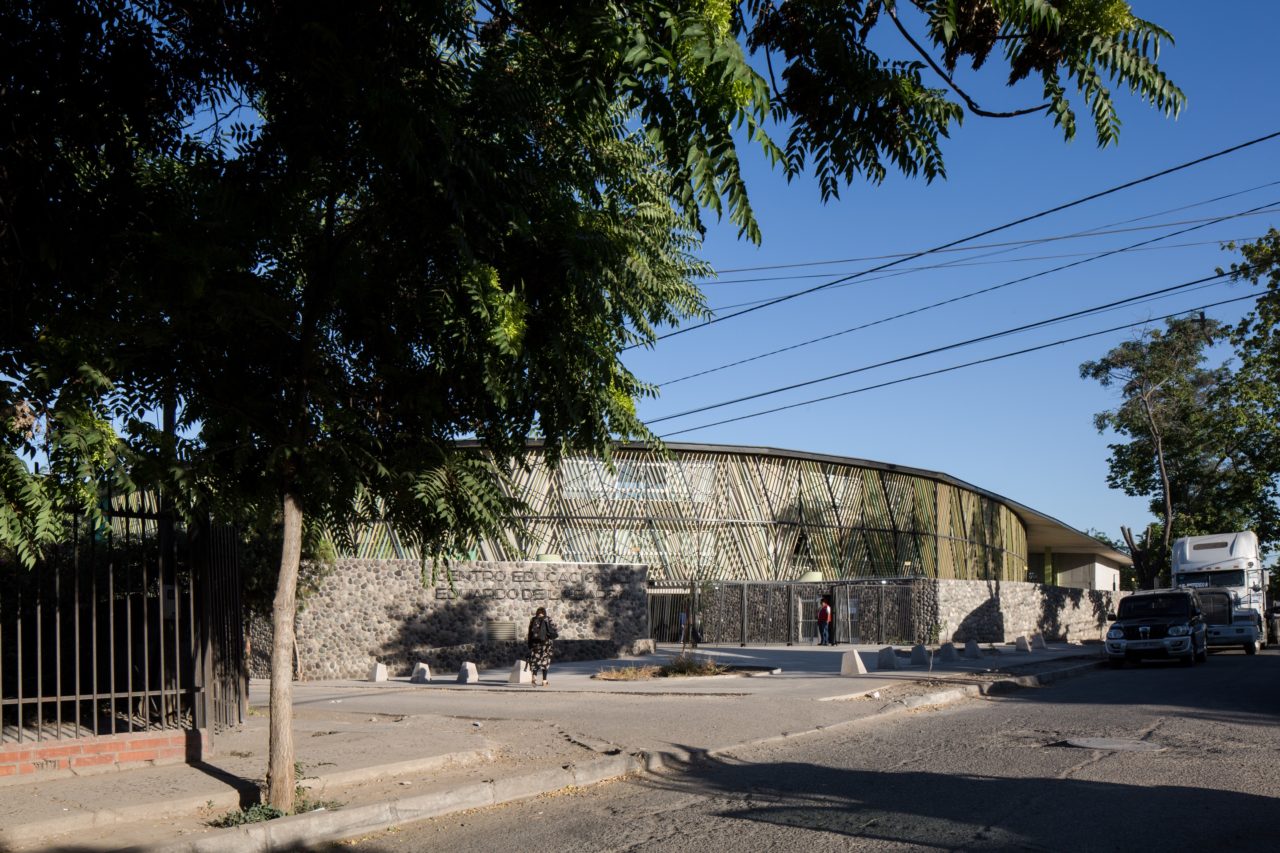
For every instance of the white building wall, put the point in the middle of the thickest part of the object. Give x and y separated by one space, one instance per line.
1093 573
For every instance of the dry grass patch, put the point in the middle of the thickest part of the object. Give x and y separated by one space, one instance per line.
681 667
627 673
691 666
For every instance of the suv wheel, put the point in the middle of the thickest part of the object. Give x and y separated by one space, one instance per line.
1250 648
1203 656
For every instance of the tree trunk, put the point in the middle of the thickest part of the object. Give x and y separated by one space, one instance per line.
1158 440
281 779
1145 568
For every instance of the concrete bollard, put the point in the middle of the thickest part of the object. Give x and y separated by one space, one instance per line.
1022 644
1037 641
467 673
521 674
851 663
919 655
378 672
887 659
971 650
421 674
947 652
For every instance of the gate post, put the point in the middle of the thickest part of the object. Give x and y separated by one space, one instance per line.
881 614
201 535
791 615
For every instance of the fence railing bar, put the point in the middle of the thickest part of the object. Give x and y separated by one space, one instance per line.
128 631
111 632
18 637
137 694
75 593
93 631
57 646
39 643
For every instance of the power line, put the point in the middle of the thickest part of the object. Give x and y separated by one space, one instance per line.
1030 218
980 339
955 367
1054 257
799 264
975 260
951 300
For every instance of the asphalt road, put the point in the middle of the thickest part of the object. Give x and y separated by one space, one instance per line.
1190 761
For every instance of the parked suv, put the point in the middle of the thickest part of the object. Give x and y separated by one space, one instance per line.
1159 623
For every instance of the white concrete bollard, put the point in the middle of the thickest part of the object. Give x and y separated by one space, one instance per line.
467 673
971 650
1022 644
421 674
521 674
1037 641
887 659
378 672
851 663
947 652
919 655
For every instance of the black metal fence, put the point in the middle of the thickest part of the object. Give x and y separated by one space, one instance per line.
129 626
751 613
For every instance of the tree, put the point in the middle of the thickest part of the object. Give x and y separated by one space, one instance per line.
1193 440
1257 342
331 239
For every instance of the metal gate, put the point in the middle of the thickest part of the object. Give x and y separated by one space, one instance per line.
876 612
132 625
750 613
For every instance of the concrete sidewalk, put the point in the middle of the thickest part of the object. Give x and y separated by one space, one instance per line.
391 752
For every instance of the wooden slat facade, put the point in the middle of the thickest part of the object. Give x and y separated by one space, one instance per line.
735 514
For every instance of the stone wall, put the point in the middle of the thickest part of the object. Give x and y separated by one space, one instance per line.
999 611
370 611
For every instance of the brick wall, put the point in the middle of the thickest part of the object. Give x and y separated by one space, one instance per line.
31 760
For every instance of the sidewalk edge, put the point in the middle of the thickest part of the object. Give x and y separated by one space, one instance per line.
344 823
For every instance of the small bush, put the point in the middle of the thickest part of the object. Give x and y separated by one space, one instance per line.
687 666
256 813
259 812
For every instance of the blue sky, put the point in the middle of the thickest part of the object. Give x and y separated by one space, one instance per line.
1021 427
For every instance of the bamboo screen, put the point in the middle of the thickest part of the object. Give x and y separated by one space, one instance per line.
744 516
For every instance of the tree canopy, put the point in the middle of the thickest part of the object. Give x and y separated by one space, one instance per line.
330 238
1197 440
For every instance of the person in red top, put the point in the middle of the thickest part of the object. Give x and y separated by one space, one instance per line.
824 622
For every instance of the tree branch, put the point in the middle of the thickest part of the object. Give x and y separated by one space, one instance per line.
941 72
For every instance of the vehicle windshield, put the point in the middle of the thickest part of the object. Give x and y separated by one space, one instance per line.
1142 606
1225 577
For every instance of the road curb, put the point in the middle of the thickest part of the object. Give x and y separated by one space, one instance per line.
296 830
290 832
231 799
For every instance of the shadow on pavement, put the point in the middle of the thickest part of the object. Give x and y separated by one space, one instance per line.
1230 688
956 811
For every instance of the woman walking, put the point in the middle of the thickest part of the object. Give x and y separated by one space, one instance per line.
541 632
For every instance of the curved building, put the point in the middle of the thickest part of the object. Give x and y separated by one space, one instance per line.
750 513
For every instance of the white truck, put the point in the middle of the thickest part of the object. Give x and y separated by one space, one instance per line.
1230 561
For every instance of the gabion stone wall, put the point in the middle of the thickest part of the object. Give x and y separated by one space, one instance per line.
999 611
380 611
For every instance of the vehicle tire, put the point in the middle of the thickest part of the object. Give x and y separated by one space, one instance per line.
1204 653
1250 648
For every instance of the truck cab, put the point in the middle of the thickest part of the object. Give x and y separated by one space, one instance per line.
1227 624
1226 560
